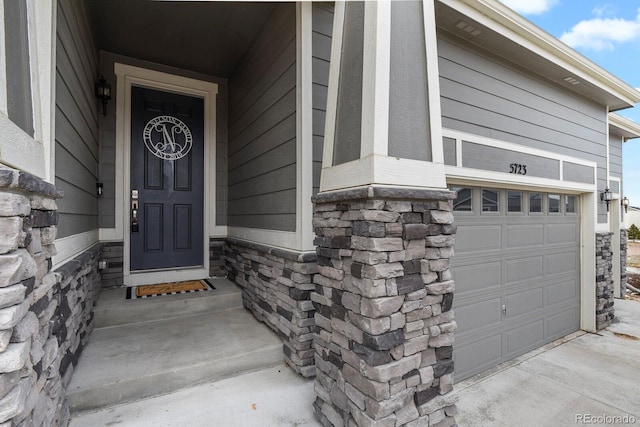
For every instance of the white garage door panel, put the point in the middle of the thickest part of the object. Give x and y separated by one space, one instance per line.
481 314
479 355
524 302
525 337
561 323
478 237
562 292
528 235
562 263
481 277
522 269
562 233
517 281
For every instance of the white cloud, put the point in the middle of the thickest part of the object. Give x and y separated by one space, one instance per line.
530 7
604 10
602 33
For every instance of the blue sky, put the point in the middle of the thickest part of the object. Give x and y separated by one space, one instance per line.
608 33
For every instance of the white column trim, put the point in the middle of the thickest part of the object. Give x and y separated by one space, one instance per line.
127 76
433 82
281 239
384 170
376 61
19 150
588 262
71 246
332 92
33 34
304 126
3 66
614 219
45 21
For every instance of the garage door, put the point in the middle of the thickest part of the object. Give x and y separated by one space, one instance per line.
517 275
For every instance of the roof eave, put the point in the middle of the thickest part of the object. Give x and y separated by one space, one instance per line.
508 23
627 127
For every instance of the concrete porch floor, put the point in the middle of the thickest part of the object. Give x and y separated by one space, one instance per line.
154 346
589 374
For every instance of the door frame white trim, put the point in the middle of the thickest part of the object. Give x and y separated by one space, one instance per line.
127 76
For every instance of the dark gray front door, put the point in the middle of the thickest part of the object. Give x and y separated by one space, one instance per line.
167 158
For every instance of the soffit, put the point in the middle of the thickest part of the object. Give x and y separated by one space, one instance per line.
543 55
624 127
206 37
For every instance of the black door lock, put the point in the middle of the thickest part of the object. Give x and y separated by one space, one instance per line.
134 225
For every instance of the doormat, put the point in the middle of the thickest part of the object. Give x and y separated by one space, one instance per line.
174 288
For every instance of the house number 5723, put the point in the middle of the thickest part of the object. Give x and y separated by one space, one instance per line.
518 169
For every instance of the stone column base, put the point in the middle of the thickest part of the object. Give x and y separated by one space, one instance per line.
604 280
383 300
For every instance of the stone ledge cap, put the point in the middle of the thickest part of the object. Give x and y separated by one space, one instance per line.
374 192
279 252
12 178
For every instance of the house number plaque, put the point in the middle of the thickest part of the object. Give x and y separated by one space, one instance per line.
518 168
167 137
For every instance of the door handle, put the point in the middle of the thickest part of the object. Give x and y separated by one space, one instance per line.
134 211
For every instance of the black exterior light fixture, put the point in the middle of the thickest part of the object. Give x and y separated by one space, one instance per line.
606 197
625 202
103 93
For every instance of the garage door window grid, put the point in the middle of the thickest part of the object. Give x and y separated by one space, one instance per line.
491 201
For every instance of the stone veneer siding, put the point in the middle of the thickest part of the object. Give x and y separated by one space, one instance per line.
45 316
216 257
384 291
112 276
604 280
624 242
276 286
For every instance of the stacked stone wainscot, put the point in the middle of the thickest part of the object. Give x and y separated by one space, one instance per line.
383 301
276 286
45 316
604 280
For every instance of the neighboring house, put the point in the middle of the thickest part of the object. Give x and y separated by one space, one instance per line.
632 216
225 119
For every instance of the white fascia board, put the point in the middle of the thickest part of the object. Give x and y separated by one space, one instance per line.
504 21
625 124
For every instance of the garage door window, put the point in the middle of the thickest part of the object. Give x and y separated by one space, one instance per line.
463 203
490 201
571 204
554 203
514 201
535 202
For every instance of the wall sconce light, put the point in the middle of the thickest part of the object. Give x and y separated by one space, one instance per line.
99 188
103 93
606 197
625 202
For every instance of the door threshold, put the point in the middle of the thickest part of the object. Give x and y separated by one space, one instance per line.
164 270
153 277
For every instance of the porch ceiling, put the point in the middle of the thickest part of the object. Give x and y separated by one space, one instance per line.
206 37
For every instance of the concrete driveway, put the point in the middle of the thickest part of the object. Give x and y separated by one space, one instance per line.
591 379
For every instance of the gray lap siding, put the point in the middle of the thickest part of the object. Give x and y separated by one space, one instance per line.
484 96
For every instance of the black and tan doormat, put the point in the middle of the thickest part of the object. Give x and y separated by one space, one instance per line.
148 291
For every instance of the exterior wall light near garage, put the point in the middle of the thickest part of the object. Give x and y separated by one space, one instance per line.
625 202
606 197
